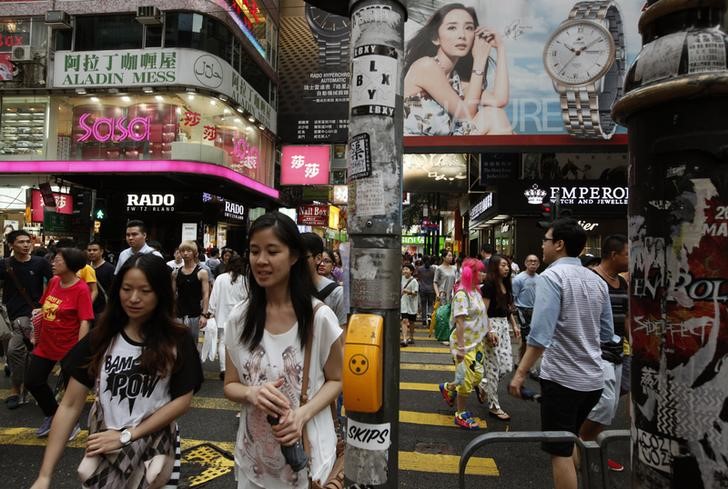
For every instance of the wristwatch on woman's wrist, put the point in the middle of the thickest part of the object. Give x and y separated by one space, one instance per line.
125 437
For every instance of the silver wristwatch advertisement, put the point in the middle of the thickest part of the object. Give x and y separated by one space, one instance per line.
332 35
585 58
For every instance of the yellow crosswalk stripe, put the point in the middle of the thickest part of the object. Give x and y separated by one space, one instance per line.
446 464
432 367
432 419
418 386
425 349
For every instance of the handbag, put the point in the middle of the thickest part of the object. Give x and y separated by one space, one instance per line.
145 463
335 479
5 332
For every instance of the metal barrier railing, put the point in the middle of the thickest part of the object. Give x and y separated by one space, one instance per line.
593 454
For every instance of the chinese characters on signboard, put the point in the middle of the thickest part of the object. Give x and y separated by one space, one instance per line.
305 165
64 205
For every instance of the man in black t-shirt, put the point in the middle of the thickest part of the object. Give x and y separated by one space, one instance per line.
104 274
615 260
24 278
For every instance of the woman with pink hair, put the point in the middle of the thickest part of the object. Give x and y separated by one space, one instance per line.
466 342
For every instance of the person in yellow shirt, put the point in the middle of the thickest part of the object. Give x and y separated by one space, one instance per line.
88 275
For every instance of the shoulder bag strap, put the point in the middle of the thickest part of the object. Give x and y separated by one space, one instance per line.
405 285
307 357
21 289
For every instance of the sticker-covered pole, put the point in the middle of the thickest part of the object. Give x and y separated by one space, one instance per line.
675 107
375 217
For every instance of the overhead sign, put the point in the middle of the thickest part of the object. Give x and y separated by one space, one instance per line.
482 206
116 129
578 194
64 205
305 165
159 67
435 173
584 198
150 202
313 215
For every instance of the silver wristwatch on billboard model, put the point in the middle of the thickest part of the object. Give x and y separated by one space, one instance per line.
585 58
332 33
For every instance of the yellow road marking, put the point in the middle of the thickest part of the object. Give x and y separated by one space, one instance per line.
413 461
446 464
418 386
432 367
431 419
425 349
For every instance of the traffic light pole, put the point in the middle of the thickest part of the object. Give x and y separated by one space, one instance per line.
375 205
375 216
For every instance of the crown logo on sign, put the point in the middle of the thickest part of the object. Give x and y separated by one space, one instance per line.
535 195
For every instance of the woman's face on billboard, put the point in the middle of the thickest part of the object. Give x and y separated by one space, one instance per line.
456 33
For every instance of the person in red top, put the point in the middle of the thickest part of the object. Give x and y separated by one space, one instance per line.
66 310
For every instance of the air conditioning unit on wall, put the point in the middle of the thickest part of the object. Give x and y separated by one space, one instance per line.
21 54
58 19
149 15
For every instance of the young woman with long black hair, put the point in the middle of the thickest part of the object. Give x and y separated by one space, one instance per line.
265 340
144 368
498 297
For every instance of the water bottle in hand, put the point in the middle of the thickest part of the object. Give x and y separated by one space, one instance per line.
294 454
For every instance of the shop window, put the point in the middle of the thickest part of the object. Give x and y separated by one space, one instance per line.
196 31
23 122
96 33
64 40
153 36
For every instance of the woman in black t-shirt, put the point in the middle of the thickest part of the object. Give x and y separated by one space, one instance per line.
498 298
145 369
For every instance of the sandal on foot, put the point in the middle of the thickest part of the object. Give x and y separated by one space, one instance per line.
500 414
480 392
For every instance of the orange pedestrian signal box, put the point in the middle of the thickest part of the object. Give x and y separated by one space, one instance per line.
363 363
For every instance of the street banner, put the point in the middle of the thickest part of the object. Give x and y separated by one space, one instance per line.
487 67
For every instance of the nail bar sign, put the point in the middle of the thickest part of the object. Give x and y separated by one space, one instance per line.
115 129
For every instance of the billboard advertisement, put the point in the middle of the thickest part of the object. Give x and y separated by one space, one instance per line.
487 67
314 75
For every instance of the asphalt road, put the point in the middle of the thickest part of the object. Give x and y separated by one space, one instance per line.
429 445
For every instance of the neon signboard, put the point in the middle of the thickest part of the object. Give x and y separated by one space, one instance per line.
116 128
238 14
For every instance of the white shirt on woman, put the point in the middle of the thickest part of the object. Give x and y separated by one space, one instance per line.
225 295
257 453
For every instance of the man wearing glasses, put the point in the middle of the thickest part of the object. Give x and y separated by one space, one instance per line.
328 291
571 317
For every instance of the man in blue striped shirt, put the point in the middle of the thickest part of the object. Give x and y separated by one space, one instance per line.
571 317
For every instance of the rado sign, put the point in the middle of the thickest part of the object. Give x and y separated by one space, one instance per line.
150 202
234 210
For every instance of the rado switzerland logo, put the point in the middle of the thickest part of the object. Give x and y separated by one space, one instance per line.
535 194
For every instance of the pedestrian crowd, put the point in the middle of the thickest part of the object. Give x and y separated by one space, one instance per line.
132 333
275 320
